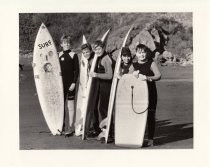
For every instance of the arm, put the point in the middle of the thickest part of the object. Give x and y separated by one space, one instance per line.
156 71
76 68
76 72
108 69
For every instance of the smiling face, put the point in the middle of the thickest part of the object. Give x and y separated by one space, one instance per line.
86 53
65 45
126 59
141 54
99 50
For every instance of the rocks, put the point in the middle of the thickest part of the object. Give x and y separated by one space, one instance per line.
167 58
187 61
144 38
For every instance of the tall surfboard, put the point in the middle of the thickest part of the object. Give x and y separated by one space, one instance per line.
48 80
106 122
83 79
131 111
87 91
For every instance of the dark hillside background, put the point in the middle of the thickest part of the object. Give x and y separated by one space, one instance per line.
93 25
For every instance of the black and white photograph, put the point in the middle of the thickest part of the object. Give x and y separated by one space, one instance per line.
106 80
118 83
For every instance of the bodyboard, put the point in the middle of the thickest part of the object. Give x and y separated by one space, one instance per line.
131 111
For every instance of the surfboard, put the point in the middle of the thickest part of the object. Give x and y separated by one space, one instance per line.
87 91
106 122
131 111
83 79
48 80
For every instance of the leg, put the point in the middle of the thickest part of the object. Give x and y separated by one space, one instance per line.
70 105
66 116
94 119
103 106
151 112
104 94
151 124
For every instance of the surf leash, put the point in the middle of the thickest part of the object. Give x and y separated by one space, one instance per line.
133 105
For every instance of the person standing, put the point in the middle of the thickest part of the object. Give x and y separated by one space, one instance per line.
126 66
103 73
70 71
146 69
92 122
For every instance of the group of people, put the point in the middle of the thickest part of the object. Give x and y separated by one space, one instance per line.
143 68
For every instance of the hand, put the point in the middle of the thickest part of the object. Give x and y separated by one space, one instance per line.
117 75
136 73
142 77
93 74
157 54
72 87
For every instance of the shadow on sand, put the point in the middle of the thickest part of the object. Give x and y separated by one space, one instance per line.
166 132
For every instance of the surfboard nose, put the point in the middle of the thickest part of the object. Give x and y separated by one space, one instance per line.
42 26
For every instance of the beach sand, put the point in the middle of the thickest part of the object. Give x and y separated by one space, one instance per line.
174 129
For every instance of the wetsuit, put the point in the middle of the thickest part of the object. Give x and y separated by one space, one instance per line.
70 71
145 70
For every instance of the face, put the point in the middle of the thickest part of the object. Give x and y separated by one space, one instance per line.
126 59
141 54
99 51
86 53
65 45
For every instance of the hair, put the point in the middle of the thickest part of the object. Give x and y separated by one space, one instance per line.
149 53
65 38
86 46
126 51
99 43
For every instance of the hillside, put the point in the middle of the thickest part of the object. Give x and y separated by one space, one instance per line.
93 25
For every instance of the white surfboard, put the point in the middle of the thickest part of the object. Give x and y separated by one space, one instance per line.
106 122
87 91
131 111
48 80
83 79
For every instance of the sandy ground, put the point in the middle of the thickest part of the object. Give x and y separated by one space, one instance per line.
174 115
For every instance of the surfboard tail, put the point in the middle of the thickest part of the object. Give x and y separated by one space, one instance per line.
105 36
84 41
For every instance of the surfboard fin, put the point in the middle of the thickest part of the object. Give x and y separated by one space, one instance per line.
103 123
59 132
101 136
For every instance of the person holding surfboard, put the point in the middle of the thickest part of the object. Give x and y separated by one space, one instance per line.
146 69
92 117
70 71
104 74
126 66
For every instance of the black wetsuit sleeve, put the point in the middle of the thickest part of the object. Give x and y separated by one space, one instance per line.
76 68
